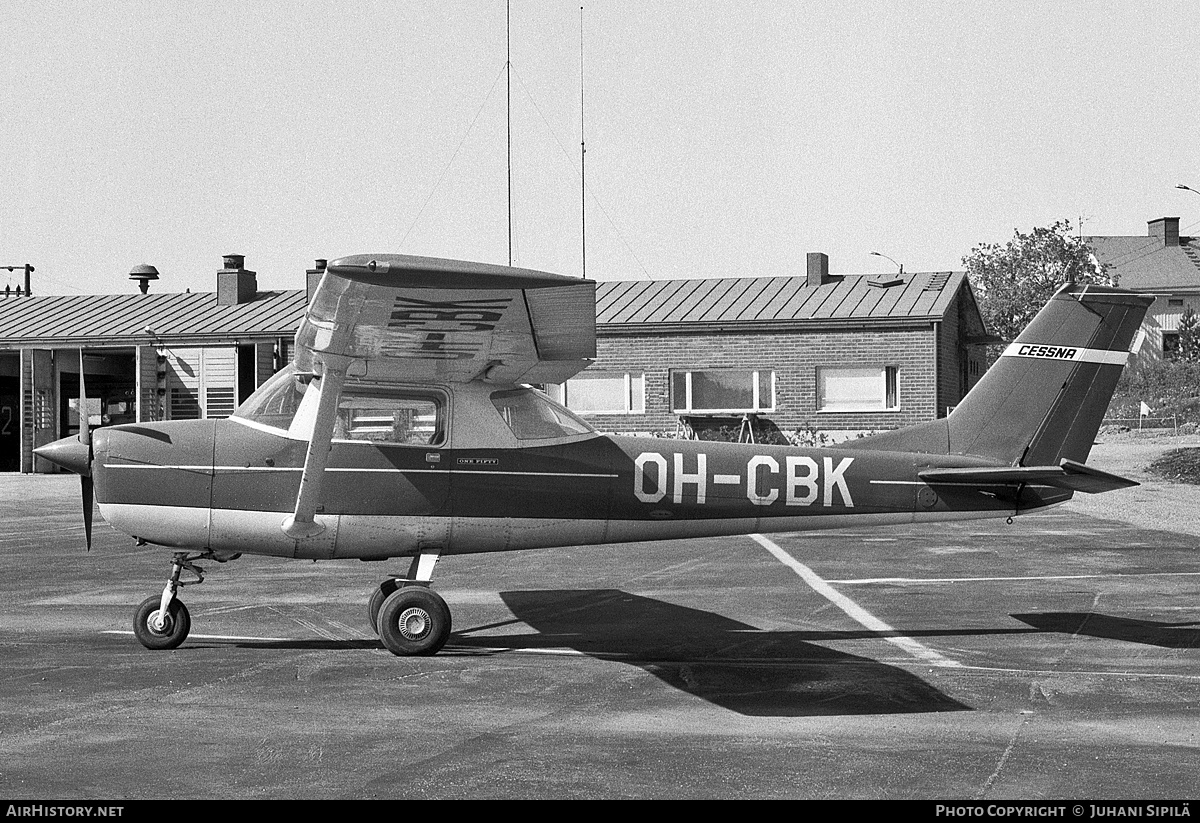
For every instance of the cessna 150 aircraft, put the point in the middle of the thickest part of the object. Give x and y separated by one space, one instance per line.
407 427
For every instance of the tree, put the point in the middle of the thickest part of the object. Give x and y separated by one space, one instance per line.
1189 337
1014 281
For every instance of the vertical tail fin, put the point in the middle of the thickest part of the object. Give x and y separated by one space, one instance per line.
1044 398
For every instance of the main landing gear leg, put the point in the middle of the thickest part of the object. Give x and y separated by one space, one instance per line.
162 621
411 618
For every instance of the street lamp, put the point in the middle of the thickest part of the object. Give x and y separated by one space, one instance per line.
885 257
1186 188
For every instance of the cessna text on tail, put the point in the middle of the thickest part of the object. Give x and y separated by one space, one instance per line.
407 427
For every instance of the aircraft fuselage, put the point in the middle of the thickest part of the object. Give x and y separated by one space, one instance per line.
227 486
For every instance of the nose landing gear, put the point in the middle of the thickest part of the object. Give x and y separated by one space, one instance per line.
163 622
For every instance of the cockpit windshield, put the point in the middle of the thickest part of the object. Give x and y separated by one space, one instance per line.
533 416
275 402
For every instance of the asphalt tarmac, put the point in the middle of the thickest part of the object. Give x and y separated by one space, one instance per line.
1054 658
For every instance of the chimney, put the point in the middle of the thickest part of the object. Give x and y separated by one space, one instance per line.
1166 228
235 285
818 268
314 277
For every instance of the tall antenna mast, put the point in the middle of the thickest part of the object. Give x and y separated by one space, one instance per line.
508 81
582 158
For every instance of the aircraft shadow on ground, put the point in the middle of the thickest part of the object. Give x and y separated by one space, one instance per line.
723 661
1146 632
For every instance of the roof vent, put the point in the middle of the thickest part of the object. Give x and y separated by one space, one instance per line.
884 281
143 274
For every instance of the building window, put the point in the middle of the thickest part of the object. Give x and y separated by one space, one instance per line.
858 389
184 405
602 394
722 390
1170 343
219 401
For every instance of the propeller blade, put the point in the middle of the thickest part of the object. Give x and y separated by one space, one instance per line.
85 432
86 485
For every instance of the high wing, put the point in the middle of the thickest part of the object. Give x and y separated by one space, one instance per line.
396 318
416 319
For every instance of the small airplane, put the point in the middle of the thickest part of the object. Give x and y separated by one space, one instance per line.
407 426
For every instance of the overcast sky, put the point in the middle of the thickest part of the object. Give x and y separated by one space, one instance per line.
723 138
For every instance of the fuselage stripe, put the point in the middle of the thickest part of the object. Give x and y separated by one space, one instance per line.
351 470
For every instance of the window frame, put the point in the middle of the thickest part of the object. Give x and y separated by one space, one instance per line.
889 390
632 403
440 402
756 377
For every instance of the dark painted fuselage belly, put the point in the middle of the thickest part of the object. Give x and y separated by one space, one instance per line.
226 486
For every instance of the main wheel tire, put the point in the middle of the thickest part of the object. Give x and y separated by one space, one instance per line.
173 632
414 621
380 594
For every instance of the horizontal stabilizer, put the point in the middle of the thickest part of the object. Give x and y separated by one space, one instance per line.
1067 475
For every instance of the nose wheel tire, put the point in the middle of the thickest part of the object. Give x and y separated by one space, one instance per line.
414 621
174 627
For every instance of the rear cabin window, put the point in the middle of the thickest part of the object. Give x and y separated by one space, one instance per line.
532 415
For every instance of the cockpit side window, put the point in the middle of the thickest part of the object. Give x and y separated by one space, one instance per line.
532 415
276 401
386 416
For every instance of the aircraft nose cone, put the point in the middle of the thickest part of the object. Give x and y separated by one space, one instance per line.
68 453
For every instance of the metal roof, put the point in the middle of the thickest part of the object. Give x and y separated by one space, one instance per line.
720 301
129 318
196 317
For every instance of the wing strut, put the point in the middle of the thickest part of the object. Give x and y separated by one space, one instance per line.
302 523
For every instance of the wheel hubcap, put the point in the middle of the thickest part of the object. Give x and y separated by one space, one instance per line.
158 622
414 623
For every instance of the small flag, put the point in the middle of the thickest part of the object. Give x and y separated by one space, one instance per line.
1145 409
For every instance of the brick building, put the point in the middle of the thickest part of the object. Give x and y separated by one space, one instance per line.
831 353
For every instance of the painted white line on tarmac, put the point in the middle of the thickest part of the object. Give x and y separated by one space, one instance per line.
860 615
219 637
920 580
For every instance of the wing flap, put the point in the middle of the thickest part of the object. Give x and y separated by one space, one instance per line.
1067 475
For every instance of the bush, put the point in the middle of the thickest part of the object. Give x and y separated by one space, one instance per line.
1168 387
